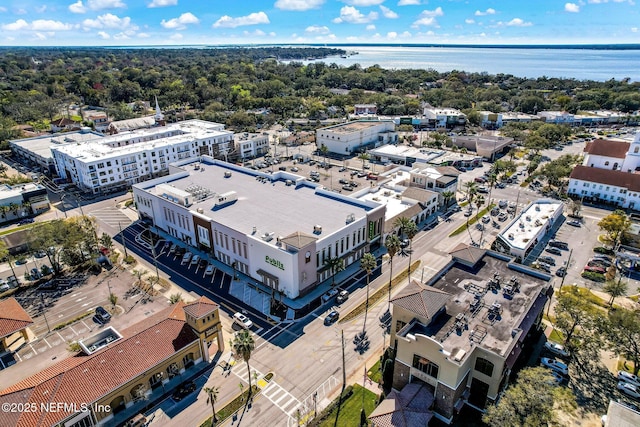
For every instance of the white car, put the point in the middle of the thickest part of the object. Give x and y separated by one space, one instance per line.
628 378
629 389
209 270
195 259
554 365
186 257
242 320
332 293
556 349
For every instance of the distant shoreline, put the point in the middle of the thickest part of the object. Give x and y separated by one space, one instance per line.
607 46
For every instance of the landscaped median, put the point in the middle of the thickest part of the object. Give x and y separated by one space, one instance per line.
379 294
232 407
350 407
472 220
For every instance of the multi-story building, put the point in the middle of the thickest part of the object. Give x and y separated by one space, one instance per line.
419 156
609 173
116 161
251 145
557 117
461 334
444 118
438 179
491 120
22 200
278 227
351 137
99 119
365 109
528 228
115 373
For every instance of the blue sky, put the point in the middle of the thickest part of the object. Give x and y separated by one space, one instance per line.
163 22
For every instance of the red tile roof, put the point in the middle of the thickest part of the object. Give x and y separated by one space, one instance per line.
12 317
603 147
200 308
86 378
630 181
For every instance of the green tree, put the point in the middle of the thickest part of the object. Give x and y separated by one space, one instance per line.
615 288
364 157
392 243
572 312
113 299
447 196
324 150
622 331
212 398
368 263
532 401
615 224
5 254
243 345
335 265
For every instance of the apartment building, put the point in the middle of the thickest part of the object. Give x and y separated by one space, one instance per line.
351 137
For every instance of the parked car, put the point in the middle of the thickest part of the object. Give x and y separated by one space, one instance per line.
468 212
501 185
209 271
26 221
595 269
186 257
294 169
629 389
480 226
483 189
343 181
194 259
558 244
330 294
554 365
347 187
554 251
556 349
574 223
203 263
502 204
103 314
628 378
172 249
242 320
561 272
183 391
332 317
4 287
541 266
342 296
547 259
486 219
502 217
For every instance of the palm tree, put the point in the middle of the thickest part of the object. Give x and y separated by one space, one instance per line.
4 253
368 263
243 345
392 243
212 397
447 196
410 231
324 150
335 265
364 157
472 192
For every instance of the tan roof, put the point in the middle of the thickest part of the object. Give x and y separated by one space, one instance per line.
298 240
201 307
419 194
603 147
630 181
468 254
407 408
86 378
424 301
12 317
390 224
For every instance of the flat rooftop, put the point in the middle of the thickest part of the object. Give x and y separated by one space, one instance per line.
423 155
480 327
352 127
41 145
265 201
527 225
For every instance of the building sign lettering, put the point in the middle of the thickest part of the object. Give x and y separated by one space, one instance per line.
274 262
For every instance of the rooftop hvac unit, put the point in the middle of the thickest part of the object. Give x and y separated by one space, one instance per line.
267 237
317 229
227 174
350 218
200 210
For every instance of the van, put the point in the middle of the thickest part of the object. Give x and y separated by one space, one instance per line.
342 296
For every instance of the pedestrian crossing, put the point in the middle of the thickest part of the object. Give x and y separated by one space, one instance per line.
112 216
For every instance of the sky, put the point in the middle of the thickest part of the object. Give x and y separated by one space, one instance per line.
223 22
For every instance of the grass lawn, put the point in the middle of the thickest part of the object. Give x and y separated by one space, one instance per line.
556 336
375 373
350 410
472 220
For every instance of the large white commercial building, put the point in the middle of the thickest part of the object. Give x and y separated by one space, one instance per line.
609 173
278 228
250 145
526 230
116 161
444 118
351 137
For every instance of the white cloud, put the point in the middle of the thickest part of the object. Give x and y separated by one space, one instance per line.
252 19
428 18
40 36
77 7
121 36
363 3
408 2
517 22
634 29
388 13
489 11
20 11
109 20
105 4
370 27
392 35
104 35
257 33
571 7
49 25
298 5
317 29
351 15
163 3
181 22
176 36
20 24
143 35
469 21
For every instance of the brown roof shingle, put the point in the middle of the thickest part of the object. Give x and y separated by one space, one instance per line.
407 408
630 181
603 147
424 301
200 308
12 317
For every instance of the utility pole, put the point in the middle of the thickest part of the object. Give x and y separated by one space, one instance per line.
124 245
568 264
44 314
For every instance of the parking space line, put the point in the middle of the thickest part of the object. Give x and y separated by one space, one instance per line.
46 342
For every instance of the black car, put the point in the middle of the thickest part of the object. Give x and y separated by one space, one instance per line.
203 263
180 251
561 272
554 251
331 317
558 244
183 391
343 181
26 221
102 314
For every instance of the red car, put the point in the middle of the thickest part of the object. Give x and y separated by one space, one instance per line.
594 269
